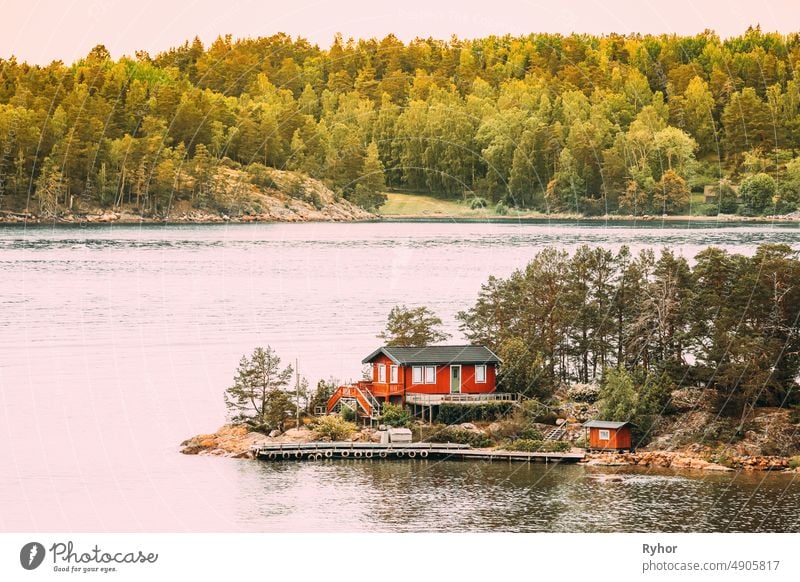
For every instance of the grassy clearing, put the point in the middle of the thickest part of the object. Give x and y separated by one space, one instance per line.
421 205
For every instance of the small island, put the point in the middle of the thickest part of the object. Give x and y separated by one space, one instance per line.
694 365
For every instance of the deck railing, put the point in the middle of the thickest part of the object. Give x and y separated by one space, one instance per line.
461 398
386 389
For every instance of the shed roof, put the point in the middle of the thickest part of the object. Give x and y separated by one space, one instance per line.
604 424
436 355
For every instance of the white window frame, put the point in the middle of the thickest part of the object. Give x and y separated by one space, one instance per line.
430 379
477 379
381 373
604 434
393 375
417 375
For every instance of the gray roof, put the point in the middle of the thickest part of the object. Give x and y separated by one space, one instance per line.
604 424
436 355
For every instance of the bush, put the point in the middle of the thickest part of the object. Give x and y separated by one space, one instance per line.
794 462
711 210
452 434
260 175
348 413
527 445
477 203
501 209
531 434
539 446
395 415
333 427
583 393
794 415
488 412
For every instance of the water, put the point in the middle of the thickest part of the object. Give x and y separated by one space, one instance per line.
116 343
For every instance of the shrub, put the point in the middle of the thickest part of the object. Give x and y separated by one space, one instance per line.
333 427
348 413
501 209
260 175
452 434
395 415
531 434
583 393
794 415
477 203
794 462
458 413
527 445
539 446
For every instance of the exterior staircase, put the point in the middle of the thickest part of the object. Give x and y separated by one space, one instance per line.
366 403
556 433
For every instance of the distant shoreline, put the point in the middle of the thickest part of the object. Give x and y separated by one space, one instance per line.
17 219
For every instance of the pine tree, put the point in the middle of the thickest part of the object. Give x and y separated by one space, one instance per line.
369 192
418 326
259 395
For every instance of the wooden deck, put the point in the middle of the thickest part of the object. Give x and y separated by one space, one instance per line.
349 450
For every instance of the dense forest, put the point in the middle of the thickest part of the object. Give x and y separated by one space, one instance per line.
588 124
729 323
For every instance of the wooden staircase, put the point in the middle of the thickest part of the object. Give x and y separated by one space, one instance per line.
556 433
367 405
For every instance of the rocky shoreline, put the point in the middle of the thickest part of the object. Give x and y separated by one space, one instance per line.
336 212
237 441
689 460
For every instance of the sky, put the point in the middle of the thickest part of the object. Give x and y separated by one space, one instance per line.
39 31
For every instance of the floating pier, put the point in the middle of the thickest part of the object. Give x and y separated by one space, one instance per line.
351 450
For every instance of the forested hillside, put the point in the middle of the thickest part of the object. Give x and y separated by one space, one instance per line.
628 124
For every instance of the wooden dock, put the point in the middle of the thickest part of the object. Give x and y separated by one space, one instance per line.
350 450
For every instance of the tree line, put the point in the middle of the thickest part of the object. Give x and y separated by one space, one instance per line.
727 322
579 123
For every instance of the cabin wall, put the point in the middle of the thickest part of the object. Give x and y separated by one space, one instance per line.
618 439
442 386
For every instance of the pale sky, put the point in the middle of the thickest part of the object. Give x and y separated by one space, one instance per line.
40 31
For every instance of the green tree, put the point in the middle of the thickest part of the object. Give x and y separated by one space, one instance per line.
618 398
370 189
259 395
757 192
412 326
671 195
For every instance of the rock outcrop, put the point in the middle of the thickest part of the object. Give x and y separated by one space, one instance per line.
687 460
237 441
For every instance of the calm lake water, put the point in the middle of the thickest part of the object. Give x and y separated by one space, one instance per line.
116 344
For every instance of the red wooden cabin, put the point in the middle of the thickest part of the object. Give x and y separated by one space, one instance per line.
424 375
605 435
397 372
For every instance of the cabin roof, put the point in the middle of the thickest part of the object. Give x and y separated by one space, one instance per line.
436 355
604 424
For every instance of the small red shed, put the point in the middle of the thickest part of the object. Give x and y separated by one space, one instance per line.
606 435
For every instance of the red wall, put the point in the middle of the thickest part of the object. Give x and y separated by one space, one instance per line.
618 438
442 386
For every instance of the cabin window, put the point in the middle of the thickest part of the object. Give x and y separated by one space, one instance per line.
382 373
393 374
416 375
605 435
480 374
430 374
